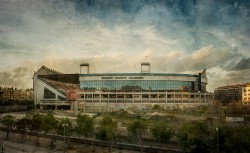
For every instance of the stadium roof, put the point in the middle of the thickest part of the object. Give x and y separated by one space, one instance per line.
139 74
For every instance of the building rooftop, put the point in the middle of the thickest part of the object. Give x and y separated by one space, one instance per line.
231 86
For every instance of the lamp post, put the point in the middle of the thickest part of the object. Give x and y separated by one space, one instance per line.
64 125
218 147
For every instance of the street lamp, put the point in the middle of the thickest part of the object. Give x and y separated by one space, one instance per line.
218 147
64 125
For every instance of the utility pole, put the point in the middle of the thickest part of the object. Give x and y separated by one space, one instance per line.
64 125
218 147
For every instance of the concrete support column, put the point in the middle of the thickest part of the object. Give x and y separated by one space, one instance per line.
133 97
115 97
189 97
174 97
166 99
195 101
181 96
157 96
100 98
108 106
75 106
72 105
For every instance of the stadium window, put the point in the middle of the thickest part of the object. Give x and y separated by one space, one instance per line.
82 95
112 96
129 95
120 96
96 96
88 95
48 94
145 96
154 96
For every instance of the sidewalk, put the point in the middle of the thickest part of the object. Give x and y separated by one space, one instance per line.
11 147
14 145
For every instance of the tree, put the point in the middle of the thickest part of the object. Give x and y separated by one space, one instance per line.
8 122
162 132
49 125
65 128
156 107
79 124
36 125
22 126
236 107
137 129
85 125
107 131
194 137
233 139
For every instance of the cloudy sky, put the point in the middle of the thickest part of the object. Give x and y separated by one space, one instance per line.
175 36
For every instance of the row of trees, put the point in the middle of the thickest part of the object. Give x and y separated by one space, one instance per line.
12 102
106 130
38 124
195 136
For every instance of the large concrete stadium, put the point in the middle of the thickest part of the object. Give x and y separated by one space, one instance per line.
118 91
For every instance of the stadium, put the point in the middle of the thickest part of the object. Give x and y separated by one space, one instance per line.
106 92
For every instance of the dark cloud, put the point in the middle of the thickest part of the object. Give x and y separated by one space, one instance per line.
243 64
182 36
238 77
20 77
188 21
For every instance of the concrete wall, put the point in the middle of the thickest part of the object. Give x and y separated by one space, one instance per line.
39 86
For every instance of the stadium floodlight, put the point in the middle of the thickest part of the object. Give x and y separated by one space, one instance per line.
84 65
145 67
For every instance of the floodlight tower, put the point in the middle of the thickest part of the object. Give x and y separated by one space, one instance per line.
84 65
145 67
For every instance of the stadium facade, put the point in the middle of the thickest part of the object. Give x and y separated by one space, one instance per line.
118 91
